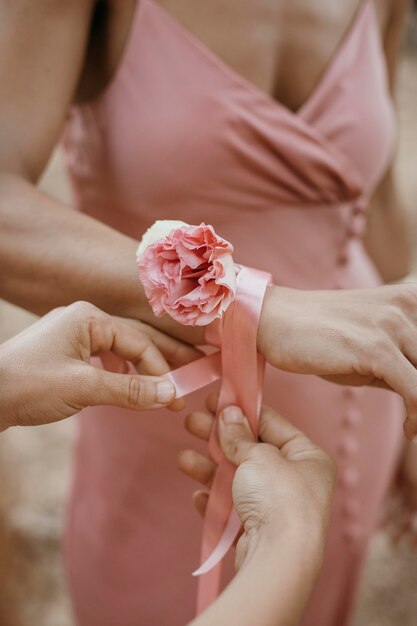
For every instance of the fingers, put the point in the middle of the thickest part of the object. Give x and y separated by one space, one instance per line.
112 334
211 402
199 424
275 429
175 351
394 372
200 500
197 466
99 387
236 438
401 376
292 442
152 362
128 341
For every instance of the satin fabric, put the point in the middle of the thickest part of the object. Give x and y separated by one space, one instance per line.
241 384
179 135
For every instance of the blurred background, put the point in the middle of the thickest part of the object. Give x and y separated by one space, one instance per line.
35 464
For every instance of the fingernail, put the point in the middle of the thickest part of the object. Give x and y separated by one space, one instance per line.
165 392
232 415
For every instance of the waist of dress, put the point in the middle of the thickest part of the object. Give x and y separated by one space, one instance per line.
306 246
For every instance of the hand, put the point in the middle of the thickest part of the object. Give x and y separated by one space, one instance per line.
282 485
401 517
352 337
45 371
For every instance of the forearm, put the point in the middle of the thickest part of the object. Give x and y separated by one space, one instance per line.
51 256
272 587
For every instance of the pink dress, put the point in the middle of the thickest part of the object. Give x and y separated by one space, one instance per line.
180 135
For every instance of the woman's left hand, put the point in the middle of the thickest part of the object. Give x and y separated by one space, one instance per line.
347 336
401 517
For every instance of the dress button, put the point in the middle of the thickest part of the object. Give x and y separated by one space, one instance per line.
349 477
360 207
351 508
357 225
353 393
352 532
343 257
339 284
348 447
352 417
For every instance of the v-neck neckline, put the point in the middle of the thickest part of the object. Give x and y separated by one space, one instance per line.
250 86
298 119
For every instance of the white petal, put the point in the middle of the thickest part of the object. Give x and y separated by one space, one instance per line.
159 230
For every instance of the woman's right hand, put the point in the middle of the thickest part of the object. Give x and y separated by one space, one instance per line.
283 484
282 493
46 375
351 337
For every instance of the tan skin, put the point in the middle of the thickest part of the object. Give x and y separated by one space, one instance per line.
53 53
40 386
56 52
282 58
282 493
283 485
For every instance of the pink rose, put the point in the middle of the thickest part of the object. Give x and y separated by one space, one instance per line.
189 274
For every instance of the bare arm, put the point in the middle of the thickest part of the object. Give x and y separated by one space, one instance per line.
49 254
39 385
282 493
272 588
387 238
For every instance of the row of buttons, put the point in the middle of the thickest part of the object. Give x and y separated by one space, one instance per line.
356 228
347 452
348 446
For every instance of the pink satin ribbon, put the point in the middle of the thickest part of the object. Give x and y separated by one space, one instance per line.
241 368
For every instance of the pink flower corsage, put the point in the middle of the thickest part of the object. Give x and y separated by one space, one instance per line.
187 272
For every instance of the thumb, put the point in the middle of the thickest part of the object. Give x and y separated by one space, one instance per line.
236 437
128 391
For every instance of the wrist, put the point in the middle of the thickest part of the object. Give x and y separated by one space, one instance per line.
304 543
279 572
273 324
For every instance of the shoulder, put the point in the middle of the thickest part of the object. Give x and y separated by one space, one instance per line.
396 13
392 16
390 13
399 7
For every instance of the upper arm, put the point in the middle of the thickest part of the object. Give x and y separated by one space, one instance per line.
393 37
387 232
42 47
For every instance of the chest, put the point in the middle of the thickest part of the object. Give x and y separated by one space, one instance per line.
179 125
281 47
